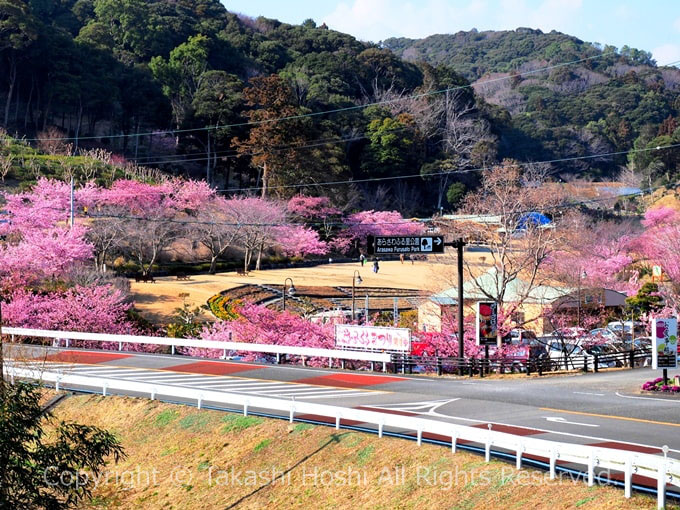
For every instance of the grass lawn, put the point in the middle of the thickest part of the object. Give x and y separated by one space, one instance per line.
183 458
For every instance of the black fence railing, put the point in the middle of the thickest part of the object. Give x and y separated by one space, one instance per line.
409 364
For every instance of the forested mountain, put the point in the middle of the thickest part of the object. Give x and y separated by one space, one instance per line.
120 74
608 101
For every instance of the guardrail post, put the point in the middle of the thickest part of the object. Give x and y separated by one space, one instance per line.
628 477
661 486
631 360
596 363
553 461
591 469
245 408
337 422
304 361
225 354
68 343
439 366
153 393
120 346
292 414
518 456
172 349
330 362
384 367
454 440
420 436
104 388
585 363
199 402
342 364
487 446
56 384
372 366
381 426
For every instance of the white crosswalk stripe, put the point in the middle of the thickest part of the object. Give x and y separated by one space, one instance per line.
226 383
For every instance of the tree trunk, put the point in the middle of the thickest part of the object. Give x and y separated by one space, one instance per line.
12 77
213 265
208 161
265 178
29 103
78 125
259 257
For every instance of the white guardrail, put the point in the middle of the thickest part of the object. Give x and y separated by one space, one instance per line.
663 470
305 352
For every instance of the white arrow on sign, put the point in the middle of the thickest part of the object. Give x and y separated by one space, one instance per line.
437 240
562 420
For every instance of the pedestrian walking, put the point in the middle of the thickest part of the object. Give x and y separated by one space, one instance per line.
411 259
376 266
362 259
401 257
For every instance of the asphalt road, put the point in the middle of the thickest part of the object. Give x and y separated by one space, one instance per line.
603 409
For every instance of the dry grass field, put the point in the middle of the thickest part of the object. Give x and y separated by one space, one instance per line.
157 301
183 458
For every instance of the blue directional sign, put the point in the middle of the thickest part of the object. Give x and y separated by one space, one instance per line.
378 245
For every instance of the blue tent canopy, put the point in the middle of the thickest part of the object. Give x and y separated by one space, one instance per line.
532 218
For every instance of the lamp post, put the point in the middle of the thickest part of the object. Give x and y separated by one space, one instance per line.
581 274
356 280
291 291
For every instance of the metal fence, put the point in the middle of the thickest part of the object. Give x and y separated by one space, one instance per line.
407 364
66 338
664 470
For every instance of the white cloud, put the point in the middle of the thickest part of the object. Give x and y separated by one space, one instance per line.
376 20
666 53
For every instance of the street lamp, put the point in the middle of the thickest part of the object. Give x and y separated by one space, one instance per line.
291 291
356 280
581 274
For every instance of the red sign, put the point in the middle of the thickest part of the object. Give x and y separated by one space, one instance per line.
487 322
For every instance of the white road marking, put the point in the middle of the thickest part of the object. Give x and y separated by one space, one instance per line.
557 419
668 401
587 393
334 395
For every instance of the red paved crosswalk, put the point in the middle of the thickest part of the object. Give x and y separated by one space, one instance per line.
85 357
213 368
350 380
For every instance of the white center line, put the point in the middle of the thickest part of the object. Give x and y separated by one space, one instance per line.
587 393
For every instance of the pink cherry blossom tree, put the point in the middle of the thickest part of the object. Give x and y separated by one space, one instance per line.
377 223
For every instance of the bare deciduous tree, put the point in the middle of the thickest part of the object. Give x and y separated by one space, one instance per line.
519 243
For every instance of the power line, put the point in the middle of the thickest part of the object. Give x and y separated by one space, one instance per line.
433 174
232 153
332 111
346 224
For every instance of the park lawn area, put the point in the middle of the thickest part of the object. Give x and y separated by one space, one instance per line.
180 457
158 301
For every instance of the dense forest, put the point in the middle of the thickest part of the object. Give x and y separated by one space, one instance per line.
193 89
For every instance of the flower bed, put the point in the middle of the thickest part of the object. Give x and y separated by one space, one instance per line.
658 385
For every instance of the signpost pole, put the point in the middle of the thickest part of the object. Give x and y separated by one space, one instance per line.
461 334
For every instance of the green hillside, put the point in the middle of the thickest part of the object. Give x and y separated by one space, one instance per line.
191 88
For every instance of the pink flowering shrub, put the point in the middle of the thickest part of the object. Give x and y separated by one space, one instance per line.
258 324
99 309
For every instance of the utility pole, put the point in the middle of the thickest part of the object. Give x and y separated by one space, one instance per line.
459 244
72 218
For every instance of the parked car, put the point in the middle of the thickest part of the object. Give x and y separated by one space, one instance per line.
606 333
571 354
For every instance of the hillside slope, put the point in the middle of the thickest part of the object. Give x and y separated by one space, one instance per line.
609 100
207 459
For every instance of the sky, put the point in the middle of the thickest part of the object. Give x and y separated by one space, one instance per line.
643 24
